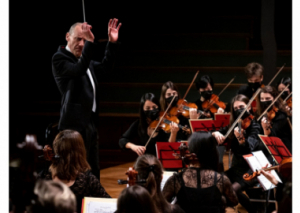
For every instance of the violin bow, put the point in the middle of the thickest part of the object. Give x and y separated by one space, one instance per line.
226 86
284 101
84 20
249 103
275 99
160 121
189 87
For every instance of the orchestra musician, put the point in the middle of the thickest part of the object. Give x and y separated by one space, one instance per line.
254 73
205 87
150 169
276 123
72 169
168 91
281 85
200 188
243 142
149 111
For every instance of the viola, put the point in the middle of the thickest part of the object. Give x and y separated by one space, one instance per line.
213 104
165 123
132 178
247 121
285 167
182 108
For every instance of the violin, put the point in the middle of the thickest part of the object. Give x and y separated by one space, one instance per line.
285 168
165 123
213 104
188 159
132 178
48 154
289 102
272 113
182 108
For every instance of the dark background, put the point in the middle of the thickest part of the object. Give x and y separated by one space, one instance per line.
37 28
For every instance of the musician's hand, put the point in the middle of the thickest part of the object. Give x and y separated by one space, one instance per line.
219 137
270 177
265 123
193 113
239 136
113 30
87 33
174 127
140 150
220 110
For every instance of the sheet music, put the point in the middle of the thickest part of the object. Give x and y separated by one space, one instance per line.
101 207
264 161
255 165
166 176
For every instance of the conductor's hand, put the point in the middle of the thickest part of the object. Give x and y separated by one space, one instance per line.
140 150
87 33
113 30
219 137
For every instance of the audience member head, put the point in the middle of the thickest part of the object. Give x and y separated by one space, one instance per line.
52 197
203 144
69 146
135 199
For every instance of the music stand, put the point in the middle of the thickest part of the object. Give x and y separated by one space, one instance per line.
276 148
164 152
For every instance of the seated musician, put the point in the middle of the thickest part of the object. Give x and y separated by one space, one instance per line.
149 111
281 85
200 188
245 141
254 73
135 199
276 123
52 197
72 169
150 169
205 87
168 91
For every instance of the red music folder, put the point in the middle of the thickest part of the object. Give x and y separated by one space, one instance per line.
164 152
276 148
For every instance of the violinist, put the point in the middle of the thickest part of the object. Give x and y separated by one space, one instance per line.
150 169
205 87
281 85
244 140
200 188
140 129
275 123
168 91
254 73
72 168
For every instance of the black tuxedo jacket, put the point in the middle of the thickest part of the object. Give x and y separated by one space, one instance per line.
74 84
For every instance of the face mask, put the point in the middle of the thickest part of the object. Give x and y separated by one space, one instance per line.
239 111
254 86
169 99
152 114
284 95
206 94
265 104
